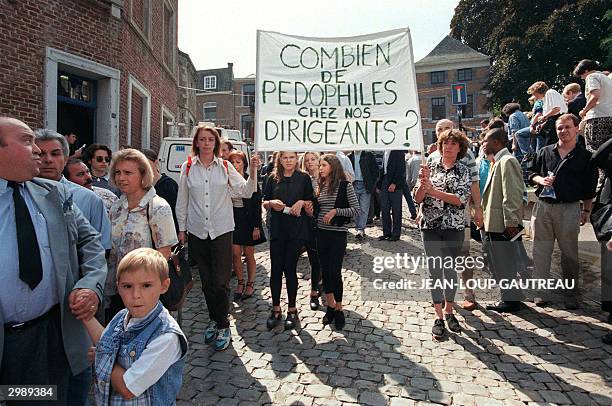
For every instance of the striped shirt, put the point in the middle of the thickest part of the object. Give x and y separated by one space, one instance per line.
327 202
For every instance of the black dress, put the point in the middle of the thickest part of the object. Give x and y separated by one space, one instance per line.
246 219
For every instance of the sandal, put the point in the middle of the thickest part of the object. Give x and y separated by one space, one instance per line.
248 295
239 292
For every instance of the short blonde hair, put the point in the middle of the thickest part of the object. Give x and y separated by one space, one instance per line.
572 87
146 259
140 159
538 87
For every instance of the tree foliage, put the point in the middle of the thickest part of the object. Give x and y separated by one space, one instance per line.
533 40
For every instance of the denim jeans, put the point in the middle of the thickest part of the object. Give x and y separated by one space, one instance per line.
523 138
364 199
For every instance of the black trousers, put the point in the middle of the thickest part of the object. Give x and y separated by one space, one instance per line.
34 355
284 256
332 248
315 266
214 259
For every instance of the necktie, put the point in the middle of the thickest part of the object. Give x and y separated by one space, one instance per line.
30 265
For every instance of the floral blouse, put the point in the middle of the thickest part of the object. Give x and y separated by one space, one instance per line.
134 228
438 214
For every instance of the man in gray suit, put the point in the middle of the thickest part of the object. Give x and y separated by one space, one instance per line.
53 270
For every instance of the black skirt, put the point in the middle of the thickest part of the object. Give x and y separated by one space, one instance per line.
243 231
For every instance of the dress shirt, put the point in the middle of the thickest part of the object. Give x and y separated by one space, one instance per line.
357 168
386 160
553 99
18 303
204 202
346 165
575 180
159 355
106 195
93 209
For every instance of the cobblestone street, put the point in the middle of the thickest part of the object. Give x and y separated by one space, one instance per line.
385 354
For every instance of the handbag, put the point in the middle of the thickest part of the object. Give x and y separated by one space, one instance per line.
601 219
179 272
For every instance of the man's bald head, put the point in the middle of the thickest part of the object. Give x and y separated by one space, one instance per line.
7 123
443 125
19 156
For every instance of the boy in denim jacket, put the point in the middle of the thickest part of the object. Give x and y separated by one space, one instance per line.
139 356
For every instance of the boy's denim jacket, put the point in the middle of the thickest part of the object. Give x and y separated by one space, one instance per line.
126 346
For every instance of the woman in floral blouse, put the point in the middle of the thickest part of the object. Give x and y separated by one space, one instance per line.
139 218
444 189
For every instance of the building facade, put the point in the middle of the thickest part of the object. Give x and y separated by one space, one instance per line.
448 63
188 82
226 101
106 70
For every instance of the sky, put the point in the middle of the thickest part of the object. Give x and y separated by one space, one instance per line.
214 33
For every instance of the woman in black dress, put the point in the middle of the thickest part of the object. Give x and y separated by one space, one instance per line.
248 231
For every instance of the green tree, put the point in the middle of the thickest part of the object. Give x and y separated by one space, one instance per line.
533 40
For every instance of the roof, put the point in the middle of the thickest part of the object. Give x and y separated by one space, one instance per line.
451 50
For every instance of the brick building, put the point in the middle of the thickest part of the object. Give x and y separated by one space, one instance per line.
226 101
188 82
450 62
104 69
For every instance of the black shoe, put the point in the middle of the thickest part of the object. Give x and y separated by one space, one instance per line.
239 292
505 307
453 323
330 314
292 320
438 330
274 319
339 320
383 238
413 216
359 236
607 339
314 302
393 238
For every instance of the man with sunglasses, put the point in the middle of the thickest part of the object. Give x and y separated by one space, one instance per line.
98 157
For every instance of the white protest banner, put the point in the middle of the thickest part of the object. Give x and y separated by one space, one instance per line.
324 94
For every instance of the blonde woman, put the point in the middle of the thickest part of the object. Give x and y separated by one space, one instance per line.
139 219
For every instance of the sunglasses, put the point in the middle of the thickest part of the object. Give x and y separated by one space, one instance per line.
103 158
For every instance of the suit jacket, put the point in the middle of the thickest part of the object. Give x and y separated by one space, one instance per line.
396 169
502 199
78 256
369 169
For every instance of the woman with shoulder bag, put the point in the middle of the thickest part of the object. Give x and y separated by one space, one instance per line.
336 204
139 218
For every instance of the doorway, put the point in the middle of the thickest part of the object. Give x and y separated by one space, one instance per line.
76 107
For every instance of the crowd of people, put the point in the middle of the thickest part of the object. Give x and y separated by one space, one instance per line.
93 231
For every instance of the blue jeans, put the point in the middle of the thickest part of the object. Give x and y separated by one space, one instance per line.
409 200
364 199
523 138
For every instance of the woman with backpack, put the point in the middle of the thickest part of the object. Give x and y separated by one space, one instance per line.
336 204
205 217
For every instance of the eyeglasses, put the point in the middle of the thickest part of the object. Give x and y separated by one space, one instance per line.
103 159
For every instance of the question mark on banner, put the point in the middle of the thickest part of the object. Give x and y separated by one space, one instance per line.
414 116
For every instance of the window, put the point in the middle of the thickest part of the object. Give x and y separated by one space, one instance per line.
438 108
210 111
140 13
169 42
468 109
138 114
210 82
248 94
168 124
464 74
438 77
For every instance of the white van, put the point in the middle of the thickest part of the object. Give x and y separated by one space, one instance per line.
173 151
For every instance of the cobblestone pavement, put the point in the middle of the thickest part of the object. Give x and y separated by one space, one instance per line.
385 354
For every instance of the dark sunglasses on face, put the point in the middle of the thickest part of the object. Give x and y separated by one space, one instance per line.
103 158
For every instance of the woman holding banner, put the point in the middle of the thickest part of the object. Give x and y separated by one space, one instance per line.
337 203
444 189
287 191
205 217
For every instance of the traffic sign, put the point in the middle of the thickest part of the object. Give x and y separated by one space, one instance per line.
458 94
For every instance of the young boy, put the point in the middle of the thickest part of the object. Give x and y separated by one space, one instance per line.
140 354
